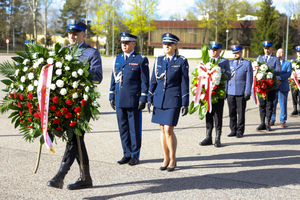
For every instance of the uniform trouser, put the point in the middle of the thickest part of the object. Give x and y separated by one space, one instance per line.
237 107
266 105
216 114
282 97
71 152
130 123
296 98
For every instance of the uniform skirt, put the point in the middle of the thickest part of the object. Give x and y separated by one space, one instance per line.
167 116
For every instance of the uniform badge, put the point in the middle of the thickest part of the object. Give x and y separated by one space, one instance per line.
175 66
72 21
133 64
124 34
168 35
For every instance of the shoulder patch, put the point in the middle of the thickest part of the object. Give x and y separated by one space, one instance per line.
143 56
182 57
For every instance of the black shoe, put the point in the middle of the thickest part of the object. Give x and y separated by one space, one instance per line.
268 128
206 141
164 168
231 134
295 112
261 127
169 169
80 184
239 135
58 180
124 160
299 112
134 161
217 143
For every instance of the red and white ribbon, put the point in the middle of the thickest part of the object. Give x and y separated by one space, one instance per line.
254 84
43 93
294 76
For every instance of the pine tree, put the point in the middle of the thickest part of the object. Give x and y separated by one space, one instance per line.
266 27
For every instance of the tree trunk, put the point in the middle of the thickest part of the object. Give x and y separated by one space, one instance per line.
34 25
141 42
45 23
216 33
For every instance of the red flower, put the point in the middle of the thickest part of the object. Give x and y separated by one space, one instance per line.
214 93
29 105
20 113
19 104
56 121
270 82
69 101
21 121
77 110
9 94
29 119
58 113
52 108
205 98
64 110
263 80
55 99
257 89
83 102
36 115
30 126
59 128
257 82
21 96
78 115
263 86
215 87
15 95
13 104
30 95
30 110
263 94
72 124
68 115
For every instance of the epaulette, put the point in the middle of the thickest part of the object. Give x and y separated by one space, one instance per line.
143 56
182 57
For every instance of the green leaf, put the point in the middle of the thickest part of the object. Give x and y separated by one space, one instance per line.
193 109
78 132
57 47
6 81
22 54
205 54
203 110
18 59
7 69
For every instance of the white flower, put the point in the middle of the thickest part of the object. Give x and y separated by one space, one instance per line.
208 65
58 72
60 83
25 69
218 69
80 72
297 66
202 96
51 53
30 76
35 83
63 91
259 76
254 64
52 86
67 68
25 61
263 68
68 57
40 60
34 55
269 75
36 65
74 74
95 103
294 65
23 78
85 97
50 60
21 87
12 85
87 88
58 64
30 87
75 84
17 72
75 95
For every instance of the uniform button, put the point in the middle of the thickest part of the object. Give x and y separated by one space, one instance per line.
163 89
137 94
121 86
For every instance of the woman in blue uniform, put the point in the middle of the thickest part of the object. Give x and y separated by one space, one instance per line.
168 92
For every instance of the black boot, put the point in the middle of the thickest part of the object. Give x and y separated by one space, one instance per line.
218 138
268 127
262 125
58 180
295 112
80 184
208 139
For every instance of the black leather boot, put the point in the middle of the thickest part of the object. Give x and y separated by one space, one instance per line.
295 112
208 139
58 180
268 127
80 184
262 125
218 138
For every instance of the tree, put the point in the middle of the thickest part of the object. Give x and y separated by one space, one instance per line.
47 3
34 8
176 16
266 27
141 14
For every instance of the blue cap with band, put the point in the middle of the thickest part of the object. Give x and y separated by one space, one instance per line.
236 48
75 25
127 37
169 38
267 44
297 48
215 45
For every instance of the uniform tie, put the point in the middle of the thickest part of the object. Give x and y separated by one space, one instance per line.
212 60
126 57
168 60
267 58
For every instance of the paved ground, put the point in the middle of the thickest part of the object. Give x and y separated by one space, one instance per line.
259 166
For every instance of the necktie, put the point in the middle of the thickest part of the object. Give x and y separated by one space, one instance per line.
212 60
237 63
168 60
267 58
126 57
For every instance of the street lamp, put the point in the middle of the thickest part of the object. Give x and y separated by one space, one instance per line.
287 37
227 39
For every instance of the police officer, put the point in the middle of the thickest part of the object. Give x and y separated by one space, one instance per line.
282 93
169 91
217 108
128 96
296 93
76 33
266 105
238 90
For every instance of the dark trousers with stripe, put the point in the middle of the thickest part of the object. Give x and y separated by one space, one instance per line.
266 105
296 98
130 123
237 107
216 116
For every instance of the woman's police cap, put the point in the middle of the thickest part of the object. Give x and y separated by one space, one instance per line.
75 25
127 37
169 38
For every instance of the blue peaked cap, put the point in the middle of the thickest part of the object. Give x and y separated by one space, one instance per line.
169 38
297 48
75 25
267 44
215 45
236 48
127 37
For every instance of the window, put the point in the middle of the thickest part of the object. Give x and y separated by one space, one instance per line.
190 30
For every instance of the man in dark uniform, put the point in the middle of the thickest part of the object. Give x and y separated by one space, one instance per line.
238 90
266 105
296 93
217 108
76 32
128 96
